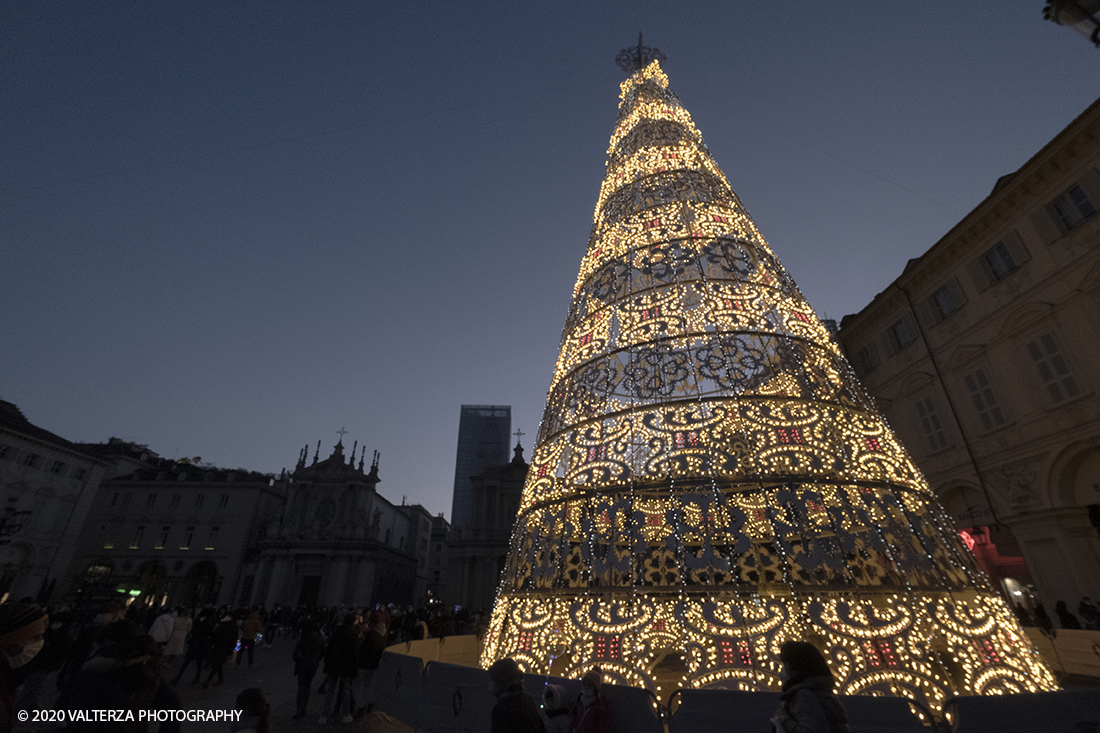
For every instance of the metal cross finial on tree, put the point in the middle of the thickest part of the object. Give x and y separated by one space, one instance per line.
341 432
635 59
519 434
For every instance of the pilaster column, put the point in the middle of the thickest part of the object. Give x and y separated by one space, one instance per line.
1062 552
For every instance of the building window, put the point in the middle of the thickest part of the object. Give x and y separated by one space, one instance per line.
212 540
78 474
188 535
199 500
1072 208
930 423
30 459
150 500
865 360
1053 369
985 401
224 502
163 538
1000 261
4 451
945 301
126 499
175 501
56 467
114 499
108 538
139 535
901 334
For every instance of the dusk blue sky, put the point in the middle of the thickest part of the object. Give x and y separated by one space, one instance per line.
228 230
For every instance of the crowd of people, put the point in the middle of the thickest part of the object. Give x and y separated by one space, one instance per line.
807 704
1087 617
119 656
114 655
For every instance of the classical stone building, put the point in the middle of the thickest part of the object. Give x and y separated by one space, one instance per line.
171 532
47 485
340 543
479 549
983 353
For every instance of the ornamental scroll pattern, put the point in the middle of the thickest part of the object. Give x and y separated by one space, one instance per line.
710 479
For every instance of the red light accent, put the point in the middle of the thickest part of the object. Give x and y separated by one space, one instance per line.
789 436
607 648
880 653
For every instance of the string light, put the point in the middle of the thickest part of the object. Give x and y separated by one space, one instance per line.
710 479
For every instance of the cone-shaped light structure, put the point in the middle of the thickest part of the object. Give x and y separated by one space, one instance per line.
710 479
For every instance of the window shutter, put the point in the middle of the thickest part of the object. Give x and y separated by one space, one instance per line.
979 273
1045 225
927 313
957 291
1090 184
1016 248
889 345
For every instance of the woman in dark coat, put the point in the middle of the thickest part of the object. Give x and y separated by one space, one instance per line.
222 644
808 704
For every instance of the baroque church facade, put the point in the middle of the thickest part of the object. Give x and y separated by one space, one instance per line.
338 542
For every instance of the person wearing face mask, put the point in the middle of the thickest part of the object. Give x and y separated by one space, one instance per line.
591 713
808 703
515 711
22 634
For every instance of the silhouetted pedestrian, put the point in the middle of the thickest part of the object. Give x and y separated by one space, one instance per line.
255 712
1042 619
198 644
515 711
555 713
221 646
808 703
22 636
341 666
123 675
1065 616
591 713
308 653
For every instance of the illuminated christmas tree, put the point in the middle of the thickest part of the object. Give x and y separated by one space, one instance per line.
710 479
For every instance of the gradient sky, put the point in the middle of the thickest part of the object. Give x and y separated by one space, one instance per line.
230 229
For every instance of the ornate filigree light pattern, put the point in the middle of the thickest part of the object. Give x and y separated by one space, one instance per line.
710 479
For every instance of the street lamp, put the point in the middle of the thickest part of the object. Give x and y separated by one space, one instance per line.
1078 14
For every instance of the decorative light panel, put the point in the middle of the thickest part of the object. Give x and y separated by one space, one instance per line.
710 479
